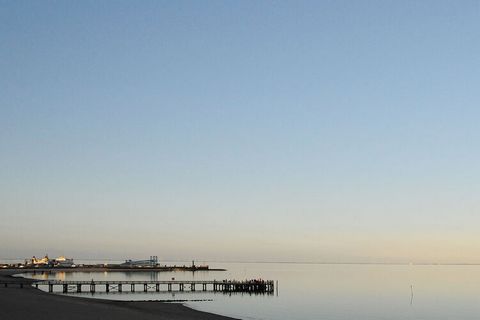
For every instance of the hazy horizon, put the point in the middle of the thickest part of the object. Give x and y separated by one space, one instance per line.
258 131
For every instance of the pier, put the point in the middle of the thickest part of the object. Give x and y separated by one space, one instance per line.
226 286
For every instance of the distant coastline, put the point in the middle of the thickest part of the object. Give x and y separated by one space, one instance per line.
67 264
112 269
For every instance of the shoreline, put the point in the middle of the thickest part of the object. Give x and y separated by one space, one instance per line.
110 269
28 303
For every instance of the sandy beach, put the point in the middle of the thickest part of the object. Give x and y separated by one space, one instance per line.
30 303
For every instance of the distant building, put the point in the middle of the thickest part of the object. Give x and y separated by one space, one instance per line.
63 262
152 262
47 262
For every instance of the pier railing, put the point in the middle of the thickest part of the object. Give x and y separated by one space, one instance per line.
72 286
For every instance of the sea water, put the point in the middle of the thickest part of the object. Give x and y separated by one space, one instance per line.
318 291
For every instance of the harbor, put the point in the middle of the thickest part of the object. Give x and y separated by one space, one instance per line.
46 267
135 291
68 264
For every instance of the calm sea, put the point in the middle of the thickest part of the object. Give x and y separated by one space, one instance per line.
322 291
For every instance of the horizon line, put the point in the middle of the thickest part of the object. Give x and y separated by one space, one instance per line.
284 262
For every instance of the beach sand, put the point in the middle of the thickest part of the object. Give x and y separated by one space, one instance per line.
30 303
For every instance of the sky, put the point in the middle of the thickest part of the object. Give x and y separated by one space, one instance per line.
325 131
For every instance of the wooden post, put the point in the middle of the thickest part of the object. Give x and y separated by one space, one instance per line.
79 288
50 287
157 287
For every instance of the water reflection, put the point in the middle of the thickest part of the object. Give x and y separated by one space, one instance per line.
154 276
411 297
340 292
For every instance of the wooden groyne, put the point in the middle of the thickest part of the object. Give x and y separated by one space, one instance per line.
71 286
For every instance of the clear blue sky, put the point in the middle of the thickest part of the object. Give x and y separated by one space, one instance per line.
240 130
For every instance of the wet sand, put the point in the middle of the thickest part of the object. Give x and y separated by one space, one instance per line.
30 303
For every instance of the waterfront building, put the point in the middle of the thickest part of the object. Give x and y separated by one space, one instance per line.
152 262
47 262
63 262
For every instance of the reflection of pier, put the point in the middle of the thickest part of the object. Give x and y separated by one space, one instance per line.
248 286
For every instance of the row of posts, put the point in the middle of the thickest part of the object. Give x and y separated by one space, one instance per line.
220 286
120 287
217 286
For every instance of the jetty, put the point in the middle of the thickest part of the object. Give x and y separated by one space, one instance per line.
72 286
